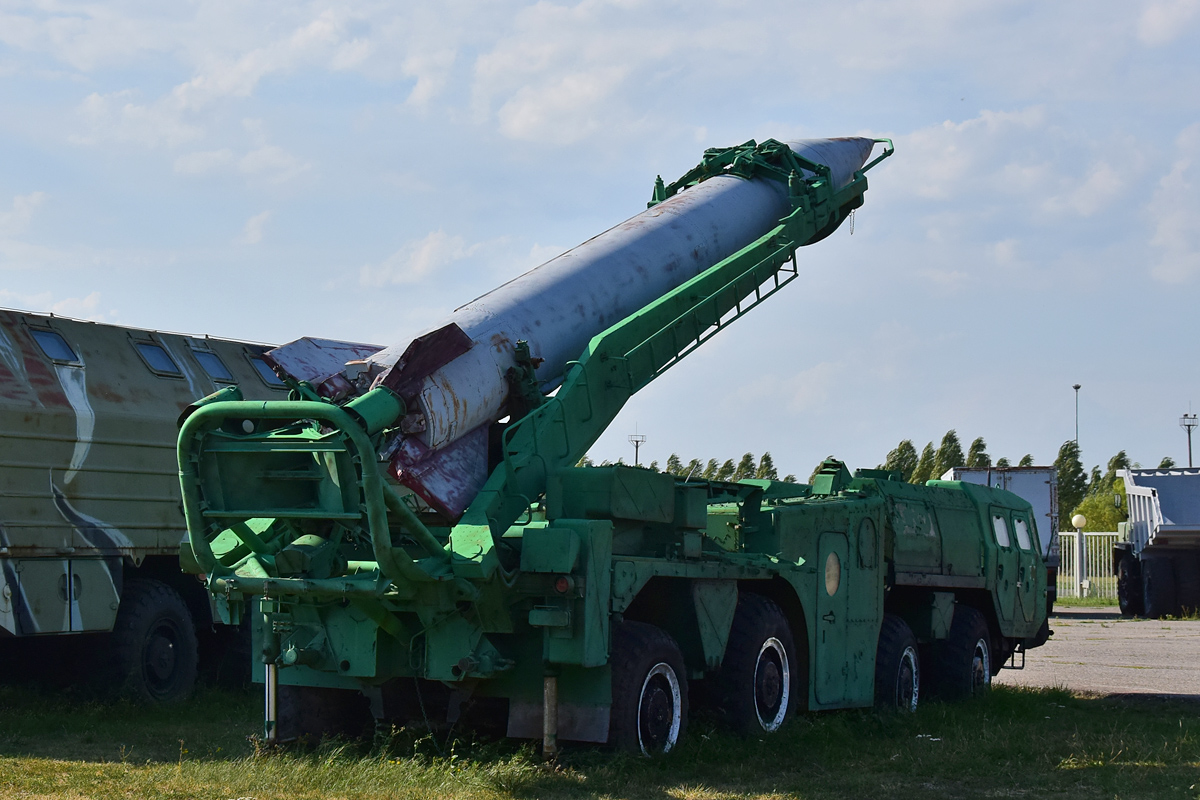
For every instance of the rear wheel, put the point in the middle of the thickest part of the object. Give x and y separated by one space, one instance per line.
1129 586
649 690
1187 581
897 666
154 644
758 674
1158 586
961 664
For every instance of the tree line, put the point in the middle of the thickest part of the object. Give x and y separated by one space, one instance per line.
712 470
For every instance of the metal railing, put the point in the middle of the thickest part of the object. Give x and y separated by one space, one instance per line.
1092 578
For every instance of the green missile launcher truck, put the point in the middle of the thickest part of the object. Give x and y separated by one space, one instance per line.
90 520
594 604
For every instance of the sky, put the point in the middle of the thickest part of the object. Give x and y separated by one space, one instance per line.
355 171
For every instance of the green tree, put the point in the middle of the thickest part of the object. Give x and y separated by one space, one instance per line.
949 454
1026 460
1094 480
766 468
790 478
745 467
693 469
1110 479
674 464
584 462
924 468
654 465
1002 463
726 471
710 471
1101 508
1072 482
1167 463
977 454
902 458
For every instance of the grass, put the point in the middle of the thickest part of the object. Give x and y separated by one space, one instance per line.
1086 602
1013 743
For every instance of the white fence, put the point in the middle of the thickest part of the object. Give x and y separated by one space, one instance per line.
1098 580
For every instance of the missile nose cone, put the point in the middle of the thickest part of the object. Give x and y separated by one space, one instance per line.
844 155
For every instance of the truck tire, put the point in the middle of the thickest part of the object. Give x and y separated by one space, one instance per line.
649 690
897 666
305 714
1158 586
758 674
1129 586
154 644
1187 582
960 665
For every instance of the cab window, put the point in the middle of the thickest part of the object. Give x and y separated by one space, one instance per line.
213 365
1000 527
158 359
1022 529
54 346
266 373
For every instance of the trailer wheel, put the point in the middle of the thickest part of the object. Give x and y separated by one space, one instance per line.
1129 586
758 674
897 666
1158 586
1187 581
649 690
154 644
961 664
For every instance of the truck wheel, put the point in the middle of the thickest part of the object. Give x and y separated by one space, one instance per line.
1129 586
897 666
961 664
1158 586
154 644
649 690
758 674
1187 581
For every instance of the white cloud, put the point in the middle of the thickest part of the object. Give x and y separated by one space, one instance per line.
1165 20
115 117
203 161
46 302
252 233
17 220
417 260
1175 209
1102 185
272 163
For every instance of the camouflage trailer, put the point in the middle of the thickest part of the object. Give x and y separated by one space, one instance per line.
90 518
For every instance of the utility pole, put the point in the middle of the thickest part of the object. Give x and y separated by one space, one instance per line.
1076 388
1188 422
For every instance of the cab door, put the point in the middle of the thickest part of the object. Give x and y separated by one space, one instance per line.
1029 570
1008 564
830 662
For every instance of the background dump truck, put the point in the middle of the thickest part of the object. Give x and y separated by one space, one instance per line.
591 604
90 520
1157 560
1038 485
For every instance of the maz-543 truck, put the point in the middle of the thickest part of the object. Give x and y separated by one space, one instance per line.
90 519
589 603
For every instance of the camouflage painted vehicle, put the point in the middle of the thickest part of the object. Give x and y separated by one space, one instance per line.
90 520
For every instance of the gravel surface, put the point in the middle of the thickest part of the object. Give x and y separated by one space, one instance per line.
1095 650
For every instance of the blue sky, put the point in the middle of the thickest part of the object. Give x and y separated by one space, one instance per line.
356 170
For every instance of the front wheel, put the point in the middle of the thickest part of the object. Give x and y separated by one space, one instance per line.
649 690
897 666
1129 586
758 674
154 644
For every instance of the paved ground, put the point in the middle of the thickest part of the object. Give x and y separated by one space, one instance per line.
1095 650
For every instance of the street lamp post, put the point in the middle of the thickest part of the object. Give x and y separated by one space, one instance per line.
1188 422
637 440
1079 521
1076 388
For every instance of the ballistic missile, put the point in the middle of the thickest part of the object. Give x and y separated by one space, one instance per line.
452 377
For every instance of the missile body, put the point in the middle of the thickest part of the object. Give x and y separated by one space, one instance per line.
453 377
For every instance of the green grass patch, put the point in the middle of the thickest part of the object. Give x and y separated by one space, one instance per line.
1086 602
1013 743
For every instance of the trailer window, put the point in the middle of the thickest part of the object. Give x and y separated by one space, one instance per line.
157 359
1000 526
266 373
54 346
213 365
1022 534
